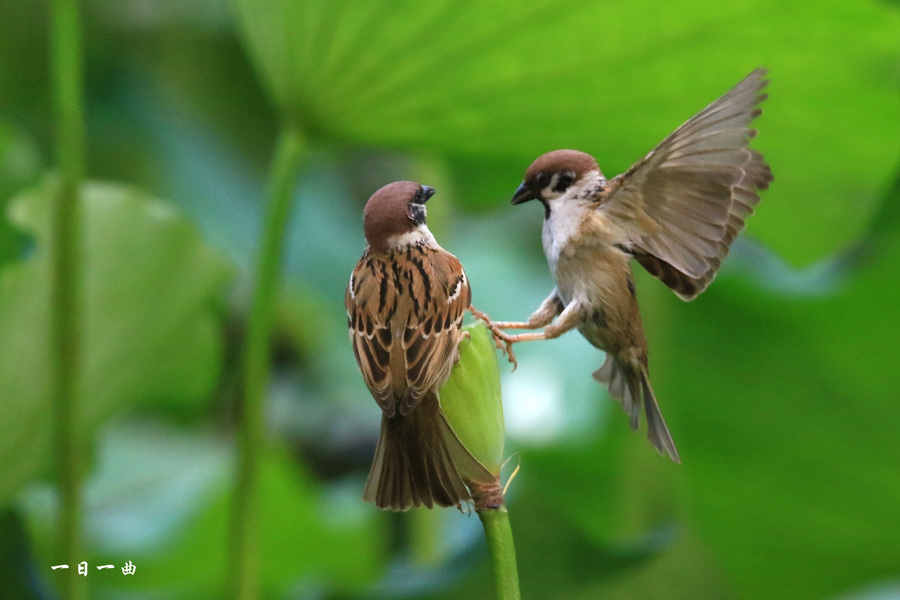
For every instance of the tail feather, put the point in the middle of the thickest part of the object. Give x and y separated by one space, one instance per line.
420 461
632 388
657 431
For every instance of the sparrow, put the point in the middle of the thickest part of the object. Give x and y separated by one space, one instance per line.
675 212
405 304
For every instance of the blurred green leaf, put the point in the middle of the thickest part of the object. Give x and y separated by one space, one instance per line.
161 498
15 557
496 83
786 413
150 335
24 77
686 570
556 560
883 591
326 537
20 164
624 494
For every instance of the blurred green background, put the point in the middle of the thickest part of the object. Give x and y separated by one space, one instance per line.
780 384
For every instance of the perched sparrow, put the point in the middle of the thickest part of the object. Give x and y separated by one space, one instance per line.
676 212
405 304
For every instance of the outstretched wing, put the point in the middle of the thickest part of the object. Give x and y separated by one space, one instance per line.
694 191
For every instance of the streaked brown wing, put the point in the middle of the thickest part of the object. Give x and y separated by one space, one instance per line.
371 301
441 295
692 193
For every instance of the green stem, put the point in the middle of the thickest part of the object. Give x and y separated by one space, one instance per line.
256 361
66 283
503 552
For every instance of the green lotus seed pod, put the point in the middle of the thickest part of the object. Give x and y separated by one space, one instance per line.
471 398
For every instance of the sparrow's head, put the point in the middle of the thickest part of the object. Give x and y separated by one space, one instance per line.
555 173
394 216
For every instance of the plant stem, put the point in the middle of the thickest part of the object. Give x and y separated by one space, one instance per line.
499 537
256 361
65 322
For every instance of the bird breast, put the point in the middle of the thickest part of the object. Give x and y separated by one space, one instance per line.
561 228
582 255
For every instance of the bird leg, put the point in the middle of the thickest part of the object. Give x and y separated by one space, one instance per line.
570 318
545 313
499 336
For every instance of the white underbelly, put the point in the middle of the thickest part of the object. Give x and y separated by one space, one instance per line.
555 237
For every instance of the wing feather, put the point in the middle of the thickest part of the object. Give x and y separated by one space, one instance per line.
370 303
405 321
433 332
695 190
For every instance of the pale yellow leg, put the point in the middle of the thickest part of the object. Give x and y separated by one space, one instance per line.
570 318
499 337
544 315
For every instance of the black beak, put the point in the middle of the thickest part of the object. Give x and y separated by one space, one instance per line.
523 194
425 193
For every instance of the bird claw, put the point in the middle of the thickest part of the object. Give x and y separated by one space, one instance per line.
502 340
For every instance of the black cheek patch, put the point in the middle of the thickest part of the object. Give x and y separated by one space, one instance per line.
563 181
417 213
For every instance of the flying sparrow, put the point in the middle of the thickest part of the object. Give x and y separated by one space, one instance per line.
405 304
676 212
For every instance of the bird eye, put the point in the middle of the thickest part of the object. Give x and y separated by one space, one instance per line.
542 179
423 194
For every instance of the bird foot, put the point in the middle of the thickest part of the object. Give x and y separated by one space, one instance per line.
502 340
